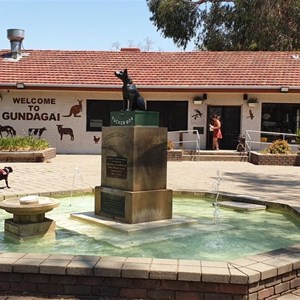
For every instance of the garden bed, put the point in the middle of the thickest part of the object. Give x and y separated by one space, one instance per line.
28 156
275 159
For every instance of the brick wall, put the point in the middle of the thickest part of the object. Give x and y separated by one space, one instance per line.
28 156
273 159
264 276
174 155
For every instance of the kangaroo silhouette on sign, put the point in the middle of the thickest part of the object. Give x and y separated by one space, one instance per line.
75 109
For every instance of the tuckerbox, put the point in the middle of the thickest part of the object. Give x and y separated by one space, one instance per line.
134 118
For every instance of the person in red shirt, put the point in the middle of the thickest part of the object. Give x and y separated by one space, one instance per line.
216 127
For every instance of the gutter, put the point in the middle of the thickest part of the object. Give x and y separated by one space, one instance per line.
153 88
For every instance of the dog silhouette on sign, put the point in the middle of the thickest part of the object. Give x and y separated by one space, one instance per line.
66 131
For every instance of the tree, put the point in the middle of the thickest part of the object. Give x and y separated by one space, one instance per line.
229 25
146 46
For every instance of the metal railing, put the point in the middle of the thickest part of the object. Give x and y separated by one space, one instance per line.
192 142
254 141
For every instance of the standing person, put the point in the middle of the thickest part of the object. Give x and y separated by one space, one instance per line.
217 134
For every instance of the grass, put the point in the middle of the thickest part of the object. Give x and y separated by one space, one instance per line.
23 143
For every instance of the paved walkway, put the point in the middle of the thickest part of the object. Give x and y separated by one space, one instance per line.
67 172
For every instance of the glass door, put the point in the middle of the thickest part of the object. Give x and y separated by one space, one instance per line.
230 117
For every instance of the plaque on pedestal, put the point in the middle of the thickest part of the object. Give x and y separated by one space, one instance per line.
133 207
134 118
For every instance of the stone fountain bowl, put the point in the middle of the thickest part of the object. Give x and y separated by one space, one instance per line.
29 205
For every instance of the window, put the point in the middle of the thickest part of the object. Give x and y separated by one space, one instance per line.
278 117
98 113
172 114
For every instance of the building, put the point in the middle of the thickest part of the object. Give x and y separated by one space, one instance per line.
66 96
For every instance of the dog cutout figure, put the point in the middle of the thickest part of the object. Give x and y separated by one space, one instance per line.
4 174
132 100
67 131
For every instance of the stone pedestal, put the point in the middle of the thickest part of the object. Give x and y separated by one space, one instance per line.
134 174
29 216
133 207
29 230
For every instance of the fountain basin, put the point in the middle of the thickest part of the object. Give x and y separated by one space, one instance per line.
17 207
29 216
234 278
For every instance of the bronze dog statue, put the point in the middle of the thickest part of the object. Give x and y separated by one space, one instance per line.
132 100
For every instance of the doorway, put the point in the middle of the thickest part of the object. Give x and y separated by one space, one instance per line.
231 126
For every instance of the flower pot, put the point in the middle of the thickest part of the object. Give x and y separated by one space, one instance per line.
252 104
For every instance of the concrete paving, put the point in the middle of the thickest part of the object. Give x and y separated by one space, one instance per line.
66 173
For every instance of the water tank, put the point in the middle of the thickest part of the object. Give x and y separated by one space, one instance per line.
16 36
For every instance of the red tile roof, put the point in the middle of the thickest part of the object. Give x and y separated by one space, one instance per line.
153 69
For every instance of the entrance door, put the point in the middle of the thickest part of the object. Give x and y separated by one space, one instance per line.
231 126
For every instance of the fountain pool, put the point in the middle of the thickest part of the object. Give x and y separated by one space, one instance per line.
238 234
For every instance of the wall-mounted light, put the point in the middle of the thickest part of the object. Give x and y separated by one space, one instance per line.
245 96
252 101
198 99
284 89
20 85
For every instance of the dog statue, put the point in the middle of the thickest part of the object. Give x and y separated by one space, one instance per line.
132 100
4 174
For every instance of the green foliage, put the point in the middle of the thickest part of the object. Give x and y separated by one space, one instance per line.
18 143
176 19
278 147
298 136
252 100
240 25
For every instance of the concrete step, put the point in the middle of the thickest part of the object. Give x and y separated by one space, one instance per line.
213 152
199 157
213 155
207 155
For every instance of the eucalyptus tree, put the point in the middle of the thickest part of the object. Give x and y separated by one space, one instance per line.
229 25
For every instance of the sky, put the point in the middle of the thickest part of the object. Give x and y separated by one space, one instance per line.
81 25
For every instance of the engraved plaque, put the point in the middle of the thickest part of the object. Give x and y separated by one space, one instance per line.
113 205
116 167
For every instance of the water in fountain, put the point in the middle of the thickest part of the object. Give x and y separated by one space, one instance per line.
217 215
77 178
240 233
216 190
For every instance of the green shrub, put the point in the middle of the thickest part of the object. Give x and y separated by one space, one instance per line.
278 147
298 137
23 143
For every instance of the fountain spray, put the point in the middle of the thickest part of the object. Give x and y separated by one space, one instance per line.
216 190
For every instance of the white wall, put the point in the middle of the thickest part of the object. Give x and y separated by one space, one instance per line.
60 103
49 109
